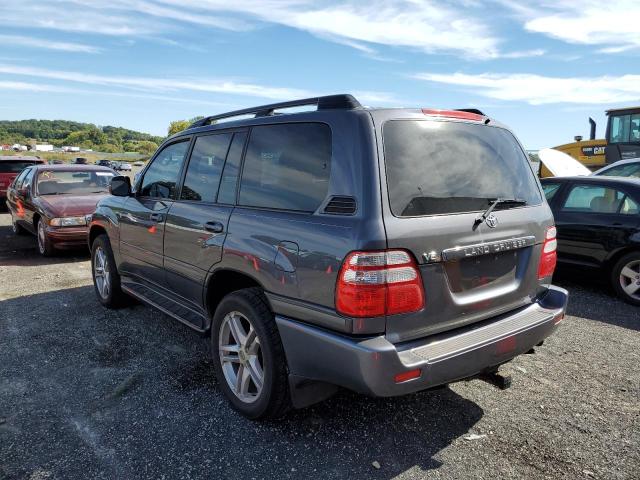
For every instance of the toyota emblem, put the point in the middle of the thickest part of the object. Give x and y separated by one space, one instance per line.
492 221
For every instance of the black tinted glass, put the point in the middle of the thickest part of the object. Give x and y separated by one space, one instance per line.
436 167
13 166
227 193
162 175
205 166
287 166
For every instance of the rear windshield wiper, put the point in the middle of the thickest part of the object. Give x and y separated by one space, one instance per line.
493 203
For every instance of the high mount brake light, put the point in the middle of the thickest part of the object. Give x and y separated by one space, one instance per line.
371 284
549 255
461 115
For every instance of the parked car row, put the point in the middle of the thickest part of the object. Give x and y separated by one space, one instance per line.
385 251
114 165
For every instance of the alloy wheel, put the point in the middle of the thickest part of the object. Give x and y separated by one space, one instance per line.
241 357
42 237
101 273
630 279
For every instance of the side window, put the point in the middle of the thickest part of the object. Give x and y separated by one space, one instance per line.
161 177
205 166
634 134
17 183
550 189
26 181
227 193
287 166
620 127
629 207
594 199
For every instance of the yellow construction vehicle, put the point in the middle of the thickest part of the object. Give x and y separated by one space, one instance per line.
622 141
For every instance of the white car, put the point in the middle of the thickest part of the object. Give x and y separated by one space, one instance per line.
562 165
138 164
124 166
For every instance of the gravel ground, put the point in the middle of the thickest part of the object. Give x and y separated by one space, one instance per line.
91 393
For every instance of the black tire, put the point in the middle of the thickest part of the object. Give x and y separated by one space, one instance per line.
113 297
617 278
274 399
45 246
15 228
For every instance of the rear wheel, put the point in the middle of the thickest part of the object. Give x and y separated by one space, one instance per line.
106 279
248 356
45 246
625 278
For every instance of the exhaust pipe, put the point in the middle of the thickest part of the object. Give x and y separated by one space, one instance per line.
592 134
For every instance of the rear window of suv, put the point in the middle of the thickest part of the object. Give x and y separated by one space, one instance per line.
14 166
440 167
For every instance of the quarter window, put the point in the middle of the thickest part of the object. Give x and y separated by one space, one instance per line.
205 166
161 177
593 199
287 166
18 181
550 189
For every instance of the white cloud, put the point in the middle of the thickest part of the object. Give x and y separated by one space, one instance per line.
538 89
457 27
613 24
47 44
229 87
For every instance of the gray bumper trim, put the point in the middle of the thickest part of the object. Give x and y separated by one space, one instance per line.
369 366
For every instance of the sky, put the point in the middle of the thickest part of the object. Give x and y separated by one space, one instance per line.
540 67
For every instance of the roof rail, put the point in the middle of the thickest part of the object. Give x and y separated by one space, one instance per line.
471 110
338 102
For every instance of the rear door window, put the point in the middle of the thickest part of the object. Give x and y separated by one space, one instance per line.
287 166
440 167
593 199
229 182
205 167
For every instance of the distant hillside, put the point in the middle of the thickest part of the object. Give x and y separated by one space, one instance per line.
85 135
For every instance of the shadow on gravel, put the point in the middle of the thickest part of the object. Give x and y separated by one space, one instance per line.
87 392
591 298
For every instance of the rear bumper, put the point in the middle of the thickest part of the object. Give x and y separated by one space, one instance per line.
369 366
68 237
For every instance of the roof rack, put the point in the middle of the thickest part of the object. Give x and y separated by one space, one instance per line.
329 102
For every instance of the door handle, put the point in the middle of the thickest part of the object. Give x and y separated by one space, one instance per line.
156 217
214 227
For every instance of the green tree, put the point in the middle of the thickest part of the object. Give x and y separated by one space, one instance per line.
146 147
178 126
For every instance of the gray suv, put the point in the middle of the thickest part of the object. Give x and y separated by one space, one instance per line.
385 251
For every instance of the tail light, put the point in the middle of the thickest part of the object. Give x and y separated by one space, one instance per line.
372 284
549 255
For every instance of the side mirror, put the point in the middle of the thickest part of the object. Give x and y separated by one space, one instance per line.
120 186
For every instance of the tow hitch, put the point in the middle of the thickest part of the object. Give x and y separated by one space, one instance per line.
496 379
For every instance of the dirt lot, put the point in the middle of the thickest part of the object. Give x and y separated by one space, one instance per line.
91 393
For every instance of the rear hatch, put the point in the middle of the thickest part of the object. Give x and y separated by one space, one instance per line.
440 176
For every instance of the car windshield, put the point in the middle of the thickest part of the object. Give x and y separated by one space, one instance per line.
77 182
436 167
14 166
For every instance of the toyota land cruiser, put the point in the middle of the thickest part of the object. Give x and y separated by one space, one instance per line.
385 251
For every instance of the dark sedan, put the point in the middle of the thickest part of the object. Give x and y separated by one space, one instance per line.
598 221
53 201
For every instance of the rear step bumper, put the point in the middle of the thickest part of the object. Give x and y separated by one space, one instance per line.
370 366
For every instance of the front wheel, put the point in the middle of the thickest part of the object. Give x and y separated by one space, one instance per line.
248 356
45 246
625 278
106 279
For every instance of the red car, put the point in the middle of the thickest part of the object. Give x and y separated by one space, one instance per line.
10 167
54 201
